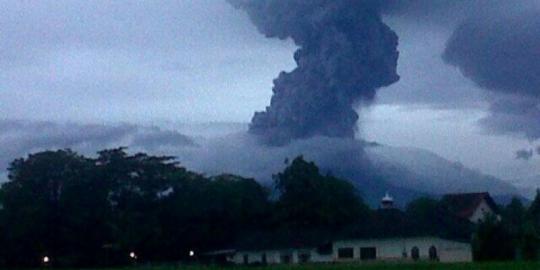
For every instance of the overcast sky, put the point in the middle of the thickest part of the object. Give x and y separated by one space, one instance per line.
135 67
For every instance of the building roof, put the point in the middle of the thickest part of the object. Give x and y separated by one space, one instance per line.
449 221
387 198
283 239
463 205
382 224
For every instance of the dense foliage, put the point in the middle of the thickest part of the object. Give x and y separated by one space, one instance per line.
512 235
310 200
81 211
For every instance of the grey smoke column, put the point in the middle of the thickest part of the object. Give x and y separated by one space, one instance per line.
345 53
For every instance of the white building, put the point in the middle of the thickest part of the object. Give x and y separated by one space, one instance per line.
471 206
410 248
277 256
389 240
364 250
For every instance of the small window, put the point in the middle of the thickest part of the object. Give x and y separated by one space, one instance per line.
368 253
415 253
345 253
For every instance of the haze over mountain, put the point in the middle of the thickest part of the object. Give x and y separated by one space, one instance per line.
424 171
215 148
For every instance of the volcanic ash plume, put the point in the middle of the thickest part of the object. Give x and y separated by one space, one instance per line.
345 53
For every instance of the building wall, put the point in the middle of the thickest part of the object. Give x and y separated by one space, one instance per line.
272 256
451 251
316 257
481 211
401 249
275 256
386 249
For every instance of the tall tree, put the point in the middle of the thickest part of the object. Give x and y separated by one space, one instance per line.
33 202
201 213
309 199
136 184
433 217
533 213
492 242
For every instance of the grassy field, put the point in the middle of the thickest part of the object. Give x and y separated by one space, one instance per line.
377 266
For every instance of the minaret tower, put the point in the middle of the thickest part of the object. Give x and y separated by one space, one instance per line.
387 202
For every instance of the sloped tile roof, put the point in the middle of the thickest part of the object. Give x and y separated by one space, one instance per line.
463 205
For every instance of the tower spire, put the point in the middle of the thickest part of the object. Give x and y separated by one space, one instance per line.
387 202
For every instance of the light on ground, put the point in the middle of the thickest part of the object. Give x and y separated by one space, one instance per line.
46 259
132 255
191 253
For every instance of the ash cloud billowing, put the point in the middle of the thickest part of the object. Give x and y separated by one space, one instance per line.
345 54
498 50
493 43
499 53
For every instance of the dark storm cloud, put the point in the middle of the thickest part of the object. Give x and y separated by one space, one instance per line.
19 138
499 52
424 26
427 9
345 54
512 115
445 12
524 154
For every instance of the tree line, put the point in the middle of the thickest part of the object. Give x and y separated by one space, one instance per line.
117 207
107 210
513 235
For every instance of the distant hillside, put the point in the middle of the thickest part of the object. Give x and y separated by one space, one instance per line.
527 185
424 171
406 173
506 199
373 187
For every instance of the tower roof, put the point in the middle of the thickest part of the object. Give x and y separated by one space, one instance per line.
387 198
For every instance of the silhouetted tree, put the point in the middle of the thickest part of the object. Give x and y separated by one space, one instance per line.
533 213
42 208
309 199
492 242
